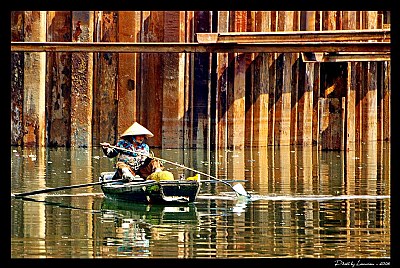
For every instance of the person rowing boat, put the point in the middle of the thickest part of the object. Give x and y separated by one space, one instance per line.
134 158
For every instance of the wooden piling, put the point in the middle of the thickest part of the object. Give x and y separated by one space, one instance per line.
58 89
252 78
260 101
283 91
333 88
82 82
293 67
316 89
17 81
189 82
350 23
173 82
150 99
369 101
236 109
272 75
105 120
202 92
306 87
34 81
128 74
222 84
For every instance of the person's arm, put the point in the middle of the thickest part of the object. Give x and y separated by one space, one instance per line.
108 151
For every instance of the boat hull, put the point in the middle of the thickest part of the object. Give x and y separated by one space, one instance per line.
150 191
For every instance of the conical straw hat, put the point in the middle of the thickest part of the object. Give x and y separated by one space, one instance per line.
137 129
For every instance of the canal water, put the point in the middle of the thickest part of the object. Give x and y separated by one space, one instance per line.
305 204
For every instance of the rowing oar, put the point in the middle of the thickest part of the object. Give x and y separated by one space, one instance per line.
238 188
61 188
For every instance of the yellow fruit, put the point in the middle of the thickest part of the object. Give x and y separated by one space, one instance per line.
194 178
161 176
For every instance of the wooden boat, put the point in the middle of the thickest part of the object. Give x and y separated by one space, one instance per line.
150 191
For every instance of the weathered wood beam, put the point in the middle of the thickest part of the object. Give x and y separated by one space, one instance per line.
105 89
369 102
236 95
331 88
17 83
345 56
173 83
283 90
128 31
222 85
174 47
350 22
295 36
58 89
34 77
306 87
82 82
150 93
261 85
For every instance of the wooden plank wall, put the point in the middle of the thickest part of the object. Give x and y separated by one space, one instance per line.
203 100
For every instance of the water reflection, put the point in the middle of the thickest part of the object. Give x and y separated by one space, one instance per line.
305 204
133 229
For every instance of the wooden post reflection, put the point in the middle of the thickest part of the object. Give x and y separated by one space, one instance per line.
36 230
260 178
305 164
282 170
81 172
369 170
235 167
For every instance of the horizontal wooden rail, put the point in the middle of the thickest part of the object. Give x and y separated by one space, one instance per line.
124 47
345 56
382 35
